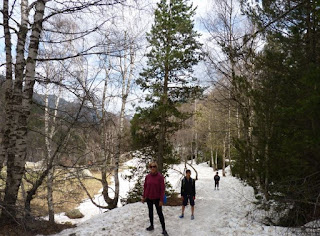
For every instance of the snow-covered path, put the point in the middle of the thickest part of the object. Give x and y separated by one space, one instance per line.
228 211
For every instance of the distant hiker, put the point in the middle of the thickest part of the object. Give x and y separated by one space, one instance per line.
153 194
188 193
216 181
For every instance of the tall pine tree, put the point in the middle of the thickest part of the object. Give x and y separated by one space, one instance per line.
174 50
286 100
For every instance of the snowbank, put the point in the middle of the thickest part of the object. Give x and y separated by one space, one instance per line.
229 211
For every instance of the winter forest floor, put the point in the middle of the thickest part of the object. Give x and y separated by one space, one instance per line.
228 211
32 228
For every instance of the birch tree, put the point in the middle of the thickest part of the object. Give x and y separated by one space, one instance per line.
117 70
126 66
20 80
50 129
19 98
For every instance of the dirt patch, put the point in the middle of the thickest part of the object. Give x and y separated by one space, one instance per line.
174 200
33 228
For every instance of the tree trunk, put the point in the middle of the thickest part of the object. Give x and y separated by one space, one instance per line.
50 195
195 171
238 123
107 154
195 132
224 157
103 143
22 105
216 161
232 63
12 113
211 155
48 154
162 141
126 82
49 133
229 131
266 180
163 124
7 152
211 144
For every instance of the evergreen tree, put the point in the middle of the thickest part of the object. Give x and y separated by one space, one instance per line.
286 107
174 50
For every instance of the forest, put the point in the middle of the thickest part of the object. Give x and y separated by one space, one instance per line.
85 85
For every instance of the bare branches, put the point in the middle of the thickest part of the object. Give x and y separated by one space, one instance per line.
270 23
67 7
78 35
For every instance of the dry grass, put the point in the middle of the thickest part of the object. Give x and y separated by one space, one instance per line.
67 195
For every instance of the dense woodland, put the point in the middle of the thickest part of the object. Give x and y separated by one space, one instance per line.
71 69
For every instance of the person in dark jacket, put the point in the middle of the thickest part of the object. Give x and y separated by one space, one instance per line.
188 193
216 181
153 194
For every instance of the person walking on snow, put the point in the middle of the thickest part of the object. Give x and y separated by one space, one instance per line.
153 194
216 181
188 193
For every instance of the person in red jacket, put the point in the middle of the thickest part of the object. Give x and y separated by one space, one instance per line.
153 194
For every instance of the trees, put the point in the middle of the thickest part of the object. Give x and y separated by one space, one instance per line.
227 68
174 50
28 24
285 105
276 92
19 91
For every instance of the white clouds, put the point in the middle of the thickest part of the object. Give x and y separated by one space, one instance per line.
202 7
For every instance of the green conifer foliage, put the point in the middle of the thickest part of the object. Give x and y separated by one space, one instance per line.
286 102
168 79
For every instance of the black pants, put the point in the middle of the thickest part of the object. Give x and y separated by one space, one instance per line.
159 211
216 184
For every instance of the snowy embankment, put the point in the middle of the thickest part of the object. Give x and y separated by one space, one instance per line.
228 211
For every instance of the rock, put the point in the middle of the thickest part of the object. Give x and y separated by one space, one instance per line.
86 173
35 166
74 214
74 173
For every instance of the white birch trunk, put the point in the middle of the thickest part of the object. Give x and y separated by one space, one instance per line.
22 103
49 133
211 143
224 157
211 155
127 74
195 154
216 161
229 130
238 123
48 154
6 152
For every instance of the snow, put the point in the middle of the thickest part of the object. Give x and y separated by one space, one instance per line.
229 211
88 209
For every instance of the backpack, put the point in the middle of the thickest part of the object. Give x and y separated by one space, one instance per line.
216 178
